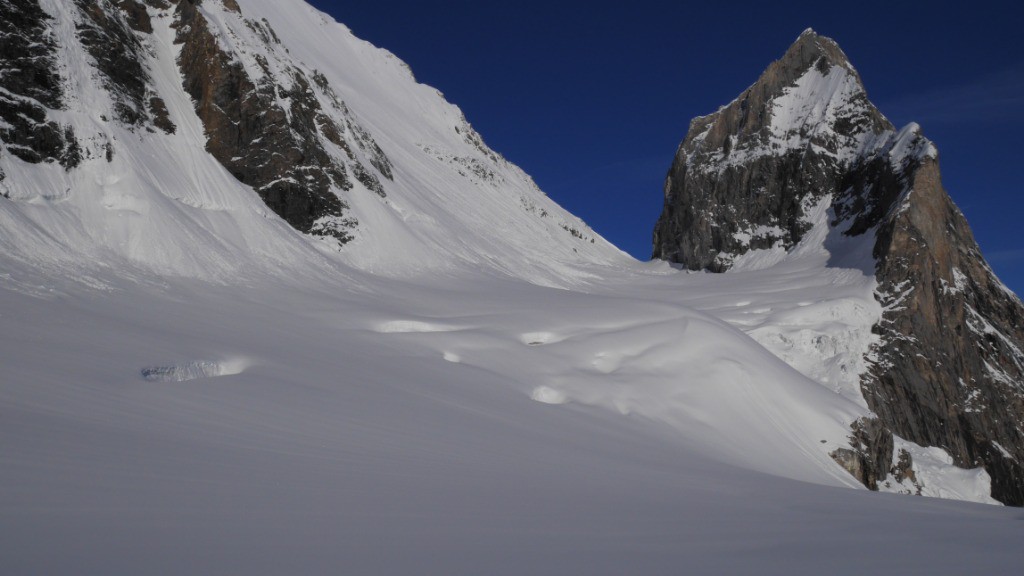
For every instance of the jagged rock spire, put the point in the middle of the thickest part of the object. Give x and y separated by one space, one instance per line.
948 370
750 155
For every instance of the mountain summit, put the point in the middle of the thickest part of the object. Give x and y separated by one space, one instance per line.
946 369
751 157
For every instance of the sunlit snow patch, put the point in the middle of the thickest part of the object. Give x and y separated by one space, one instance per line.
606 362
406 326
539 338
193 370
935 475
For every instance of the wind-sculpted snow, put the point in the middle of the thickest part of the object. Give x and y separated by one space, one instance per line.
405 326
610 430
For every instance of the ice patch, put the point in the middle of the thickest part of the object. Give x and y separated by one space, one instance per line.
193 370
452 357
547 395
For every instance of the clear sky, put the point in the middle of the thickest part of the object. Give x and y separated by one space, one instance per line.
592 98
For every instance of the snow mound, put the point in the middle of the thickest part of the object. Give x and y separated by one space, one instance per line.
412 326
546 395
192 370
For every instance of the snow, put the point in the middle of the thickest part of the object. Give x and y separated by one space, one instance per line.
811 105
193 370
910 144
936 478
167 186
819 318
803 112
762 231
189 385
548 395
601 431
1006 454
806 114
959 280
983 328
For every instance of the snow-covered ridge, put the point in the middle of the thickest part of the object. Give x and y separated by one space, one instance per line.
823 112
162 203
406 119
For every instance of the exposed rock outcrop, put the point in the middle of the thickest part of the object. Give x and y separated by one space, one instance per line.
869 456
743 176
107 31
30 86
948 370
271 131
250 134
275 125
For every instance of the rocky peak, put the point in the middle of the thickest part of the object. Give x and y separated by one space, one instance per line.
947 370
804 122
812 95
810 48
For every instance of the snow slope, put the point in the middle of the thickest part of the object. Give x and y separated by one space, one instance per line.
392 426
187 384
164 204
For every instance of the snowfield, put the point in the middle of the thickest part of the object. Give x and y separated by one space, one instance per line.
442 425
477 384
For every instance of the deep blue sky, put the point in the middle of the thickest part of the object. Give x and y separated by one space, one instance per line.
592 98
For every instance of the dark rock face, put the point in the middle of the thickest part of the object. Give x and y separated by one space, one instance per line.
948 371
869 457
107 32
275 127
136 15
33 82
31 85
280 152
742 181
336 135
